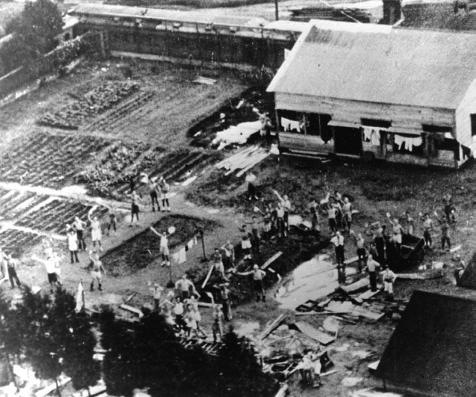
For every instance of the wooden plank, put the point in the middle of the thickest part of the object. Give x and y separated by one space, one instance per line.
313 333
366 295
271 260
208 277
48 389
361 312
362 283
275 324
244 161
428 275
351 260
131 309
457 248
252 165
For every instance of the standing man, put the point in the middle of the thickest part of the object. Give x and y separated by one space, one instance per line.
331 218
165 190
251 178
389 278
258 287
218 262
280 224
135 200
50 265
347 214
372 269
338 241
156 295
315 227
164 247
153 192
286 204
225 301
245 242
184 286
361 251
96 233
427 228
78 225
96 269
12 266
397 232
445 232
72 238
217 327
229 254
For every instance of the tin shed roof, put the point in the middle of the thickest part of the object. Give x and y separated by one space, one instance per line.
377 63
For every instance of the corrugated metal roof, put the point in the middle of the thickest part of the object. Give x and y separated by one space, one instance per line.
375 63
166 15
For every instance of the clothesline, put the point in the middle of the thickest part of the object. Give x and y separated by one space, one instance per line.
180 256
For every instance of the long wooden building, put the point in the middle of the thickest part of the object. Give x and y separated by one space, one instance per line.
377 92
189 36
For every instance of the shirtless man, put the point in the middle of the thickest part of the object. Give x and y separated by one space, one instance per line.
96 269
164 246
135 200
154 194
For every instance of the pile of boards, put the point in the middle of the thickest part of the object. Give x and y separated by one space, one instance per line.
352 304
244 160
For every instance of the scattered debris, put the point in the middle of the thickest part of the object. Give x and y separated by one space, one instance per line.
275 324
236 134
204 80
319 336
428 275
351 381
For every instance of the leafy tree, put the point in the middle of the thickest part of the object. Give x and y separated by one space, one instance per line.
52 337
240 372
38 25
150 356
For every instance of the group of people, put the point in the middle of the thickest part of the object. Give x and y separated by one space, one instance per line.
373 255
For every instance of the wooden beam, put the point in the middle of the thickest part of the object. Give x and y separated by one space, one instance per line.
271 260
131 309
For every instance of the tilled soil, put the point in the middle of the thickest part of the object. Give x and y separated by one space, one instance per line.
143 249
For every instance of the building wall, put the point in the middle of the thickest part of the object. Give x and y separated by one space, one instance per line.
404 120
406 117
258 47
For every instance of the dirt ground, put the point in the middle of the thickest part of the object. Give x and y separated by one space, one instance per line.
218 204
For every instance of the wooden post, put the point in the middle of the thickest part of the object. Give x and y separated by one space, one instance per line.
276 112
276 9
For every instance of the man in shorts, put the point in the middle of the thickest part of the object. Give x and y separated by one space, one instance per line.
96 267
164 247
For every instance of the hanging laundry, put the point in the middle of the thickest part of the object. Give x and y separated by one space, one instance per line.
190 244
375 137
290 125
407 143
399 141
372 135
175 257
195 241
182 256
367 133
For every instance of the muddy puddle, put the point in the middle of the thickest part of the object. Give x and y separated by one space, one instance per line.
313 279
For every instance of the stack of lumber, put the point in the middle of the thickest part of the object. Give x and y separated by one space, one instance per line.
244 160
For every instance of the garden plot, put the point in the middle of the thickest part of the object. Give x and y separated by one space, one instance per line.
114 167
125 115
12 240
48 160
111 175
96 101
142 249
13 204
53 216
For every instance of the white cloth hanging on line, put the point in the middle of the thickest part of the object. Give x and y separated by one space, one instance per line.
407 142
372 135
289 125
